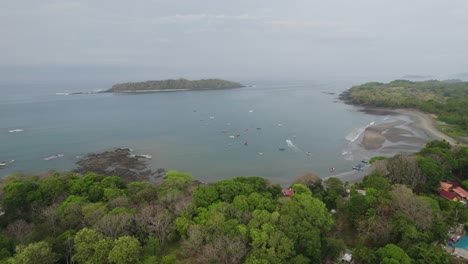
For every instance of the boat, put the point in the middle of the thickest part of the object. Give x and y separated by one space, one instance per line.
282 149
332 169
144 156
245 143
358 166
54 156
15 130
3 164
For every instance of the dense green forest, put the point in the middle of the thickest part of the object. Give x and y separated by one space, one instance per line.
91 218
179 84
448 100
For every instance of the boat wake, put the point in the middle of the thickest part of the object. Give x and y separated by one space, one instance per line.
347 155
356 133
292 146
54 157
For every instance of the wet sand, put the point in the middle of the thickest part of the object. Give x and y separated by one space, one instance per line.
402 135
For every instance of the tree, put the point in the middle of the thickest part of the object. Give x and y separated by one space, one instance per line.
39 252
334 191
156 220
364 255
18 195
332 248
270 245
205 195
6 247
417 209
425 253
126 250
392 254
115 225
152 247
91 247
303 219
404 169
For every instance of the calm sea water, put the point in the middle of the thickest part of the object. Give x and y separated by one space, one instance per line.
184 130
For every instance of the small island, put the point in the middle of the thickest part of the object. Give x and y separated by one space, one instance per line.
173 85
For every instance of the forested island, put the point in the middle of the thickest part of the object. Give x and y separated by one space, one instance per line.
174 85
447 100
395 215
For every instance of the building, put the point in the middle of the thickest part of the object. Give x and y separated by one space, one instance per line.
446 186
288 192
448 195
462 193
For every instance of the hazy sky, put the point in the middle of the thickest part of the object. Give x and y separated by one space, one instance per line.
291 39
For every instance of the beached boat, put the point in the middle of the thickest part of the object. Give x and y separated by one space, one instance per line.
358 166
56 156
3 164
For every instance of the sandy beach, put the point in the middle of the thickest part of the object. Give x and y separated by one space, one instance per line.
400 134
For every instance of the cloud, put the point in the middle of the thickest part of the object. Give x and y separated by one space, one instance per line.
193 18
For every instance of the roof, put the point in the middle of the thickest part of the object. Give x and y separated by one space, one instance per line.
447 195
462 243
361 192
445 185
347 257
461 192
288 192
454 184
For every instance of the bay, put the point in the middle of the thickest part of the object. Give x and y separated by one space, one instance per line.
211 134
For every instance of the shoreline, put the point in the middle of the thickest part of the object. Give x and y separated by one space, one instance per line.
398 132
396 135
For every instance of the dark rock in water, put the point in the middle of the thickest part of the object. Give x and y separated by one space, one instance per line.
118 162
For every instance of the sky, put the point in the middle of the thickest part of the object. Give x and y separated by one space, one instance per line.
295 39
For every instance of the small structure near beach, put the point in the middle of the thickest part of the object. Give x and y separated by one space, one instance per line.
288 192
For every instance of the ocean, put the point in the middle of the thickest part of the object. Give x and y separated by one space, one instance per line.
278 130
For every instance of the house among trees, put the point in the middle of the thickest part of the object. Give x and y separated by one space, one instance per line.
448 195
288 192
453 191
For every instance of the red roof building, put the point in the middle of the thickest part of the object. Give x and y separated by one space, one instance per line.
446 186
461 192
288 192
448 195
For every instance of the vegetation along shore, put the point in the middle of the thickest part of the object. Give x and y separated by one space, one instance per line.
395 215
444 101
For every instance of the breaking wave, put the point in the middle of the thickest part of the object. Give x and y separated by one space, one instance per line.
354 135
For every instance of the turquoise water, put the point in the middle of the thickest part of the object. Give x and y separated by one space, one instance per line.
184 130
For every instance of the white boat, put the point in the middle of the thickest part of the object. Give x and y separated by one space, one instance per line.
56 156
16 130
